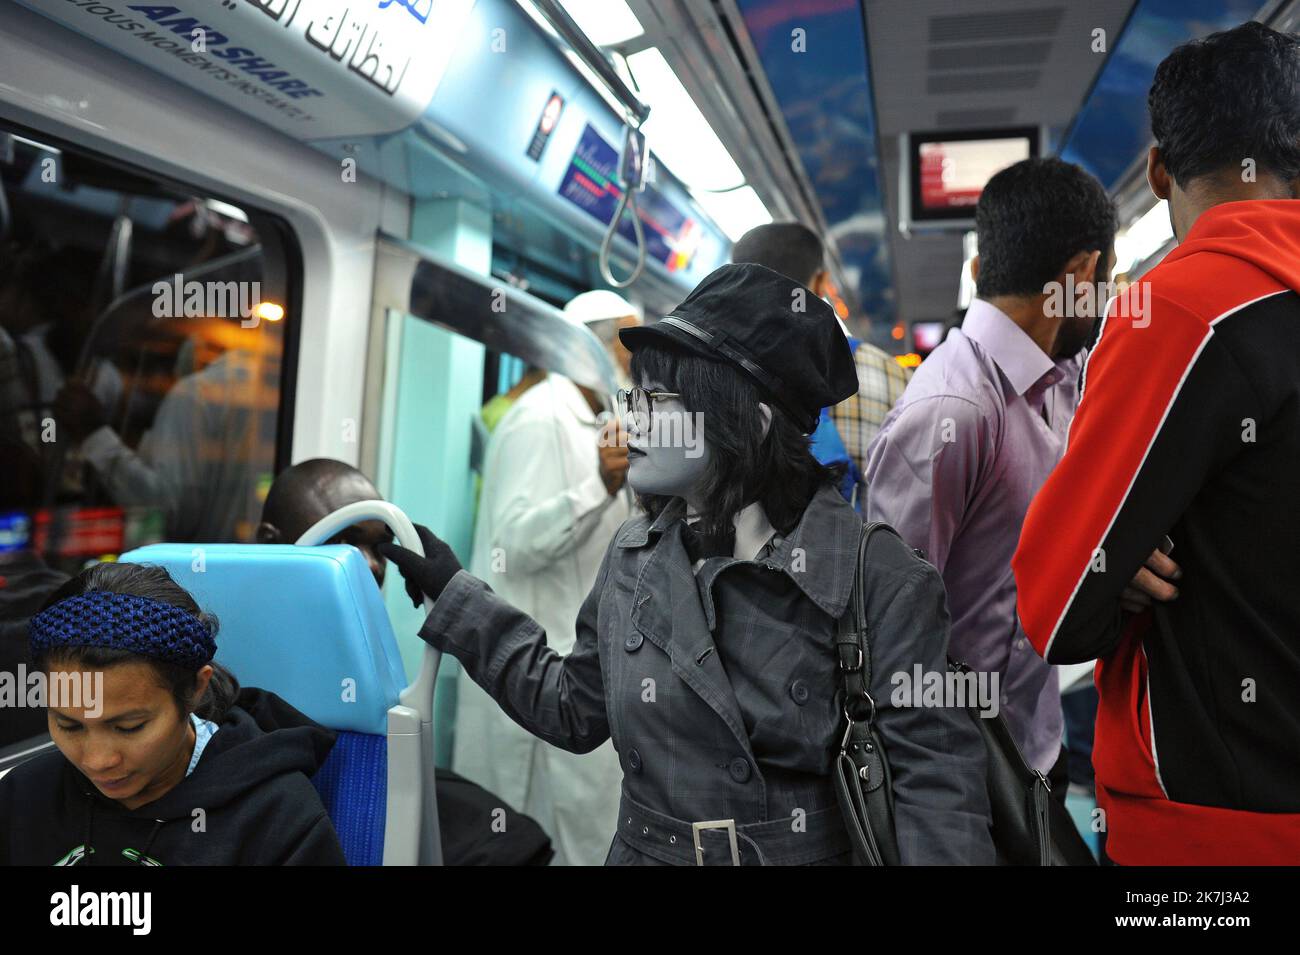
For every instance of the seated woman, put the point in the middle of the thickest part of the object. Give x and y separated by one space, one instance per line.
162 758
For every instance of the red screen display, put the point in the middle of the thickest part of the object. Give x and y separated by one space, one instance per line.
953 174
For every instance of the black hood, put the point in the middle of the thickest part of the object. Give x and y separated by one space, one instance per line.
260 737
252 785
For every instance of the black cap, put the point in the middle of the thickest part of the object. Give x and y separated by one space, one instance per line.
770 327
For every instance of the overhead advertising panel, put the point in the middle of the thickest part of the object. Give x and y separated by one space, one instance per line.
314 68
591 184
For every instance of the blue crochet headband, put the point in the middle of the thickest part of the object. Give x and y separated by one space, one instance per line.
112 621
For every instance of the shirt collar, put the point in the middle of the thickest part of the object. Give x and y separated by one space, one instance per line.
820 555
204 730
637 533
1013 351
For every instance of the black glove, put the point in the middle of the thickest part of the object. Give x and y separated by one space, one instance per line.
427 575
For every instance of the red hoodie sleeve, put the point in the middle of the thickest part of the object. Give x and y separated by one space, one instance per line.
1163 407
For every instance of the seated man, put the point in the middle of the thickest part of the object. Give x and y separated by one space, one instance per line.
301 496
311 490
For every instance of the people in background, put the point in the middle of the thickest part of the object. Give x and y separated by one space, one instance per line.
490 415
310 491
49 344
50 290
553 496
153 731
202 460
496 407
1188 435
26 580
796 252
606 314
984 420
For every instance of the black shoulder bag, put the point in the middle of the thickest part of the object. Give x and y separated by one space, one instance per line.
1029 826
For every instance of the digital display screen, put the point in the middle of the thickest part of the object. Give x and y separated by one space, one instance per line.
949 172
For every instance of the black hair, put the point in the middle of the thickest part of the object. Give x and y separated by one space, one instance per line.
777 470
156 584
789 248
1032 218
295 495
1232 96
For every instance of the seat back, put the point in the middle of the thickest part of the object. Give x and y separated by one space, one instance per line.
309 624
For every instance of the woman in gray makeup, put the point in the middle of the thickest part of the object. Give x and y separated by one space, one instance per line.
706 648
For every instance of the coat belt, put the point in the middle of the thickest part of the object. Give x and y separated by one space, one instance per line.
814 837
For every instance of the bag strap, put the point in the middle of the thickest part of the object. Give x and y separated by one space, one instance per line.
853 641
862 772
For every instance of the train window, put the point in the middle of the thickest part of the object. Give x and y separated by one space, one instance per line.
141 346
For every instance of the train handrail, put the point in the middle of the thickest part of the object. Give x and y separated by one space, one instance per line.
418 696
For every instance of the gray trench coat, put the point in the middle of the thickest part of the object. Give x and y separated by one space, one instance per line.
721 693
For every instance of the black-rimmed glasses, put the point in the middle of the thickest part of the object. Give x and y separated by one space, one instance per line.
636 406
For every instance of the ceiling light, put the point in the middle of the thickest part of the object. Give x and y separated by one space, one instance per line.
734 212
677 130
606 22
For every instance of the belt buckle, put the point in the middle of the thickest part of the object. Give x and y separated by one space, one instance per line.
728 824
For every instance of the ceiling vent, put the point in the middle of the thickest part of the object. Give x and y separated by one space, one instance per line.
988 54
962 27
1000 81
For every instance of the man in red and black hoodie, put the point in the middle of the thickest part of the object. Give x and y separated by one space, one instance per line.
1189 427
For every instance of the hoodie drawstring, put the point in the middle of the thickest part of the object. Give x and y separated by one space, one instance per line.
89 853
88 856
144 853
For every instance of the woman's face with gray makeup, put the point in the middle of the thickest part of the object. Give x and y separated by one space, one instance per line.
671 458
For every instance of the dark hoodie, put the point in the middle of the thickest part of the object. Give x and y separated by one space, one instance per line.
252 783
1189 426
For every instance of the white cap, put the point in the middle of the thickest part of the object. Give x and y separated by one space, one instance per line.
597 306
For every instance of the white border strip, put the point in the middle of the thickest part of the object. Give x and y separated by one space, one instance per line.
1238 308
1087 568
1151 719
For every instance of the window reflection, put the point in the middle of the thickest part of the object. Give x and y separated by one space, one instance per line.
141 344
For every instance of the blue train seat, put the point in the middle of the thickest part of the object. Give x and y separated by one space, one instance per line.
309 624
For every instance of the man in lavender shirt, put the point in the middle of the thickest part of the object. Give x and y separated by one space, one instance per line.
984 420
